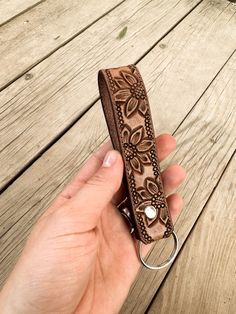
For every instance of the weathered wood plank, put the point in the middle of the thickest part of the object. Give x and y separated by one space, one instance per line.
26 198
11 8
58 92
207 140
203 279
34 35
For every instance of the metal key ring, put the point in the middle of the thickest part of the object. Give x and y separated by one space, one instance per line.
168 261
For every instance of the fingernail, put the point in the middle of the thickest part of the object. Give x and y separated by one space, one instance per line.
109 159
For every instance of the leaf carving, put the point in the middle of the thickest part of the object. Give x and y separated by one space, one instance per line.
142 108
125 133
137 135
131 106
122 94
143 193
152 186
163 216
145 145
121 83
137 166
145 159
129 78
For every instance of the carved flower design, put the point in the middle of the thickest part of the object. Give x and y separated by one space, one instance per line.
151 194
136 147
131 91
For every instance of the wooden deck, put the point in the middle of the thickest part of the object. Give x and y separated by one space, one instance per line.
50 54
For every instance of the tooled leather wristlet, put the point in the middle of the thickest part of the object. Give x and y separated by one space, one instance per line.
128 116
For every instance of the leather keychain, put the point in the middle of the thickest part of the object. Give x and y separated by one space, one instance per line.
128 116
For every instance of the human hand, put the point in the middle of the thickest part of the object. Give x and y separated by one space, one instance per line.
80 256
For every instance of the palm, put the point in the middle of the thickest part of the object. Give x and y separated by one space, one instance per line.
115 267
79 261
104 258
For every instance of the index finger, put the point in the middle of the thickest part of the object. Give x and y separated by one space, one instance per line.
166 143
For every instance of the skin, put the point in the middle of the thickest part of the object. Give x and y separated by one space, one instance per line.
80 256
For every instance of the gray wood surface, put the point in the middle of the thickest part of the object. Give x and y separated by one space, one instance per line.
9 9
185 51
206 142
57 93
203 279
35 34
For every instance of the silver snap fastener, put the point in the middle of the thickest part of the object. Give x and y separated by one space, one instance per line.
150 212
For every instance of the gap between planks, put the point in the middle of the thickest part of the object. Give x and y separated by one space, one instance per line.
206 144
37 34
94 116
191 231
61 163
174 83
83 109
10 9
70 85
207 260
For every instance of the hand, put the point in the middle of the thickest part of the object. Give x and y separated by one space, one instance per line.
80 256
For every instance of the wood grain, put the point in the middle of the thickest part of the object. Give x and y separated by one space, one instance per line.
58 92
200 152
159 86
34 35
206 141
11 8
203 278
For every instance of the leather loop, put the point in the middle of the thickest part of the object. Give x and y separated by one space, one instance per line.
128 116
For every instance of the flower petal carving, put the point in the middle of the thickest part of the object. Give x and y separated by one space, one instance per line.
129 78
131 106
163 216
145 145
137 135
136 165
131 91
143 193
125 133
136 147
121 83
151 186
122 94
142 107
145 159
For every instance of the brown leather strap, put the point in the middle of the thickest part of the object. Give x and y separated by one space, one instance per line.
127 112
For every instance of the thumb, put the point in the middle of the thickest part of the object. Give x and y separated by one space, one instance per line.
97 192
